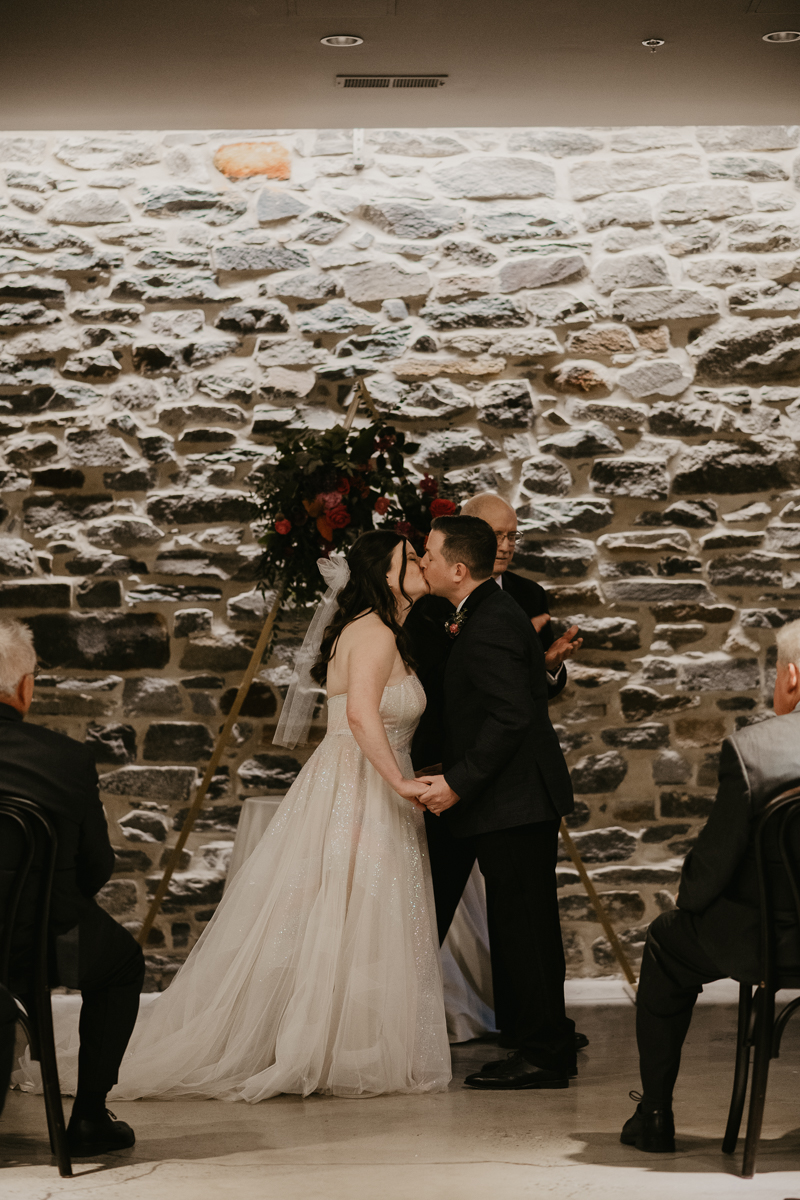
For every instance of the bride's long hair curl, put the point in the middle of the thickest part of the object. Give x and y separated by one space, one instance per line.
365 592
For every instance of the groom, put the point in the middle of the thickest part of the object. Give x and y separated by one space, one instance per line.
504 790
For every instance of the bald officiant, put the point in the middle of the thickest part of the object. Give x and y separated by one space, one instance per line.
426 625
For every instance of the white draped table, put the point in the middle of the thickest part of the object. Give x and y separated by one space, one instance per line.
465 954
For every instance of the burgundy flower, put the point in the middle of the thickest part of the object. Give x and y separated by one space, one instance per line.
404 528
382 505
283 526
428 485
338 517
442 508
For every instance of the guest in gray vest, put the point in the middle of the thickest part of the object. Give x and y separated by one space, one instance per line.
714 931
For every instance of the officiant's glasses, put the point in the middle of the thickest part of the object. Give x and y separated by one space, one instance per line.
502 536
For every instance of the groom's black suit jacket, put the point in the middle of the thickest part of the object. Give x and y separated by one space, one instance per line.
425 625
501 754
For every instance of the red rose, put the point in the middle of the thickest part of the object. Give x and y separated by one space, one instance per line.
382 505
338 517
283 526
343 486
428 485
403 528
442 508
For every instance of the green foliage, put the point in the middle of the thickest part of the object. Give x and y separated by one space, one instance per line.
329 487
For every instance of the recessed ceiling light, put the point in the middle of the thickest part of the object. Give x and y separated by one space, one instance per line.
653 44
342 39
784 35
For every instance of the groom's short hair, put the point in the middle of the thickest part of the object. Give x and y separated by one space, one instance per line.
470 541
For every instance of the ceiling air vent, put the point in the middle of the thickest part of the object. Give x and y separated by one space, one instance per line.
390 81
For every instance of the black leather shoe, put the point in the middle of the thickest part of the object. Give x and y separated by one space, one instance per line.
652 1131
516 1072
88 1138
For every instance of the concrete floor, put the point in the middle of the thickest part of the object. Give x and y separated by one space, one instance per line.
461 1145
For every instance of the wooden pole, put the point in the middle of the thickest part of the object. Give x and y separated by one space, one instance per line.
597 904
214 762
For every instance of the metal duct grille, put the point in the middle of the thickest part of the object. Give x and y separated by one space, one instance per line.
390 81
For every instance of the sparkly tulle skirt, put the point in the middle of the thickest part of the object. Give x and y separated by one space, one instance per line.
319 971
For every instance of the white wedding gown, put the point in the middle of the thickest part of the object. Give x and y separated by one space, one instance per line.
319 971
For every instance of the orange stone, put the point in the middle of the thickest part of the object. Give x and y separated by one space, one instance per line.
241 160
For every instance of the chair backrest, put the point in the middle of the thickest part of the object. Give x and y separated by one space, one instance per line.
32 861
777 850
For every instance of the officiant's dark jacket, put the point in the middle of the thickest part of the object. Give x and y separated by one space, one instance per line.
501 754
719 882
59 774
426 626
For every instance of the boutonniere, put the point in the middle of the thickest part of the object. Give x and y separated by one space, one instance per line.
453 624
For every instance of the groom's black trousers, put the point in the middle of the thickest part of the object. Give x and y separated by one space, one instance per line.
528 968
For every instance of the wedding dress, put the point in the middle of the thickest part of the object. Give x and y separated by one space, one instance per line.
319 971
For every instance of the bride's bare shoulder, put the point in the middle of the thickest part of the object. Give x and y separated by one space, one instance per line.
366 628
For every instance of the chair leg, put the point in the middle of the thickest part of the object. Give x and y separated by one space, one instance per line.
741 1070
765 1013
51 1086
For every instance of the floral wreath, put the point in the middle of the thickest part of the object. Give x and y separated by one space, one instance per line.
326 488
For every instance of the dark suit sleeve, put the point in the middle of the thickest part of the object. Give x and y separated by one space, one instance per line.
94 861
499 668
714 859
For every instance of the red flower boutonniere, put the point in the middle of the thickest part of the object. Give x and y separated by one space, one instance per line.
453 624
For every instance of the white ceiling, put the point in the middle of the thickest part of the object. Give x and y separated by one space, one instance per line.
258 64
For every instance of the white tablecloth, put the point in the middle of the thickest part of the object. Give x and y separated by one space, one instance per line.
465 954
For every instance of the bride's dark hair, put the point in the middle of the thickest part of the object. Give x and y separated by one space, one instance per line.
367 591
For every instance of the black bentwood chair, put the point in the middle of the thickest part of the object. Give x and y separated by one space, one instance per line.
28 865
777 852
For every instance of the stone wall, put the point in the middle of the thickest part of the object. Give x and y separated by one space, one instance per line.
600 324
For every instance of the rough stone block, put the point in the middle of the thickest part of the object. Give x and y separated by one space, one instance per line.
382 280
151 697
261 258
640 477
557 143
100 593
204 506
243 160
227 652
598 176
651 736
649 306
620 906
748 137
88 208
118 897
764 234
707 202
189 888
717 672
455 448
417 143
745 570
112 744
613 844
659 377
583 441
630 271
733 469
413 219
259 702
96 153
599 773
488 178
566 556
757 350
35 594
273 772
183 741
107 642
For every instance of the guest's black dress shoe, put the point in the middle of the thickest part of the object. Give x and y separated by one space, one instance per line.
516 1072
652 1130
88 1138
508 1041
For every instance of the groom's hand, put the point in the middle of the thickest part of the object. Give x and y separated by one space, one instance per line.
439 796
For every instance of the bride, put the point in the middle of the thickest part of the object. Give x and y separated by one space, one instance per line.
319 971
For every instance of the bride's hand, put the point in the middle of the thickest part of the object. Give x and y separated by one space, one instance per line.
411 789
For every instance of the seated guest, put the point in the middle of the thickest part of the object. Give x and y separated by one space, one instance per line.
714 931
8 1030
91 952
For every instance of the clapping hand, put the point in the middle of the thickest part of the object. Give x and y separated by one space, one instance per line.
562 648
438 795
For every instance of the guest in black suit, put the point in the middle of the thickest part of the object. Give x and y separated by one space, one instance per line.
91 952
714 931
504 790
425 625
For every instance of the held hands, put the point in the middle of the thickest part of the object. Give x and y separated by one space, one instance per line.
438 795
412 790
562 648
